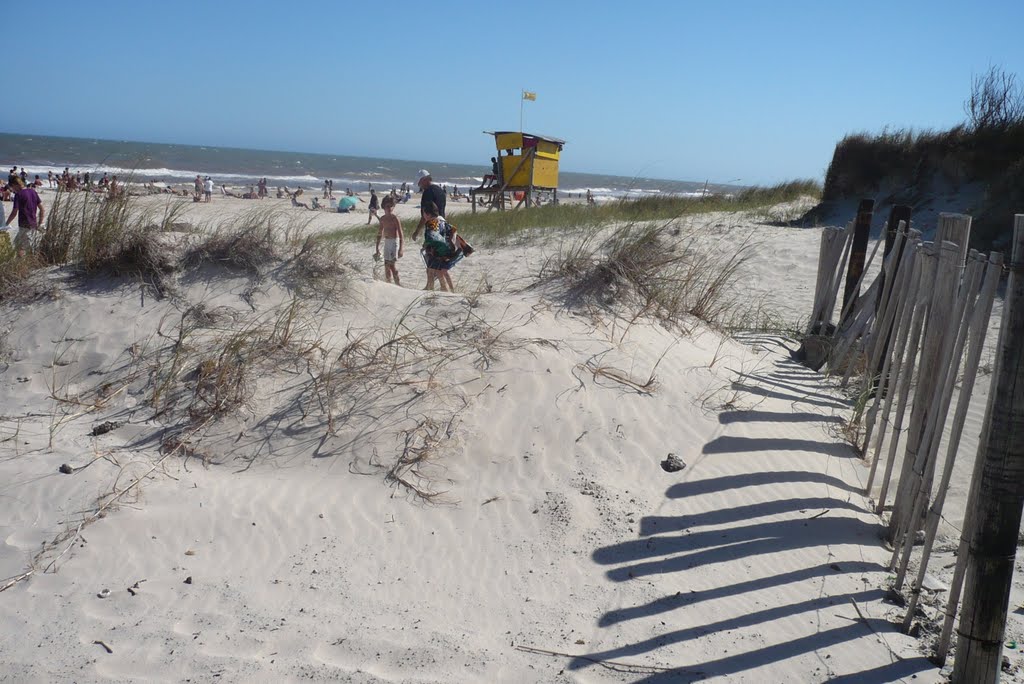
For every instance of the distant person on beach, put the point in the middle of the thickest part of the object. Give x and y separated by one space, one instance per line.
326 185
49 179
394 240
590 197
29 210
373 207
431 193
24 176
262 186
208 188
198 185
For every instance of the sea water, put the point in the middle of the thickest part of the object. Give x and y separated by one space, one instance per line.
179 164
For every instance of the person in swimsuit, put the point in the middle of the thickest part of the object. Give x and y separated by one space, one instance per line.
394 240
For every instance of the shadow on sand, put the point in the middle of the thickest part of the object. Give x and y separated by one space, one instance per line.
748 533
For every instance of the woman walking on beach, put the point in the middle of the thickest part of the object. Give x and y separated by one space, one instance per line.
440 248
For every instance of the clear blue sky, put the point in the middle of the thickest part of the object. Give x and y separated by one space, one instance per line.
757 91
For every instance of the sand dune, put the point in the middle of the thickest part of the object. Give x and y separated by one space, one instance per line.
554 547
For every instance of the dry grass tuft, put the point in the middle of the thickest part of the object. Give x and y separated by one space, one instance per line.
247 248
15 272
652 270
111 235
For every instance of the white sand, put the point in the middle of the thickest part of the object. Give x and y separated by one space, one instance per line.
557 529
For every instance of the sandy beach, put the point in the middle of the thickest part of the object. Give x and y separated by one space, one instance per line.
440 487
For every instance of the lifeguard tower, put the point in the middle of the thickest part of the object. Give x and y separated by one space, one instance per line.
527 172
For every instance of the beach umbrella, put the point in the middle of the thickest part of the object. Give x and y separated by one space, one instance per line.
347 202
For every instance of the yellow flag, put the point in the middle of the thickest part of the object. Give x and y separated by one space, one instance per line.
527 95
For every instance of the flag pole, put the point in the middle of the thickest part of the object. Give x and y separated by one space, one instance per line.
521 98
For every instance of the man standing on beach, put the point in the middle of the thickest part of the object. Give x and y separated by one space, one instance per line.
208 188
431 193
29 210
373 207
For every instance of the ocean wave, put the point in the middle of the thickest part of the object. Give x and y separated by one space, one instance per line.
183 175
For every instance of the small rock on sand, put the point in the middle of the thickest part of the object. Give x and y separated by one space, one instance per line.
672 464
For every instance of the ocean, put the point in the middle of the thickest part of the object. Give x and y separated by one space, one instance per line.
174 164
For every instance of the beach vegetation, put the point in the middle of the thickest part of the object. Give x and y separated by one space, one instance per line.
909 167
15 271
502 227
263 241
647 269
109 235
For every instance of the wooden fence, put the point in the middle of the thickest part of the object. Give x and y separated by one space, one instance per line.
900 345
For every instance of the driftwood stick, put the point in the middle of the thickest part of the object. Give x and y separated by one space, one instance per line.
615 665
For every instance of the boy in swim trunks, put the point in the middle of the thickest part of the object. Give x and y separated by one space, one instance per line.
394 240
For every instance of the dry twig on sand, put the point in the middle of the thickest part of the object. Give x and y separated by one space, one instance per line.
614 665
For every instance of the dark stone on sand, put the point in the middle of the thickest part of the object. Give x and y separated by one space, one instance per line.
66 469
895 597
672 464
104 428
188 580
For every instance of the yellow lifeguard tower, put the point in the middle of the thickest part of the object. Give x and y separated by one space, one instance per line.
527 171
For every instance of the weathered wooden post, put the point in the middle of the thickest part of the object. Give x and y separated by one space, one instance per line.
994 539
900 213
947 371
976 329
952 254
918 310
858 253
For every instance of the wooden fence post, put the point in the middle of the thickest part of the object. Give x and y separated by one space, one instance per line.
900 212
952 252
858 253
977 328
994 539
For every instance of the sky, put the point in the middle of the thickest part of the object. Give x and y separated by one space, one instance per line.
742 92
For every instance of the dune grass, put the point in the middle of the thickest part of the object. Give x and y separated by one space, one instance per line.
909 162
657 270
497 227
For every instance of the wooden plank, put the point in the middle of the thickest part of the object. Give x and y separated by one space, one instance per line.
977 327
994 538
947 369
858 252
